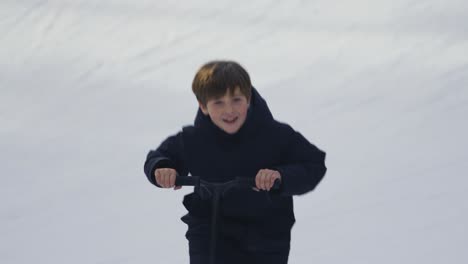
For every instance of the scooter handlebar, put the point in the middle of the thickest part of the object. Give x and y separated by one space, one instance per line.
239 181
187 181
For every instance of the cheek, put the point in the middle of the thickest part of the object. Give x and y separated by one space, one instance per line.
217 113
243 113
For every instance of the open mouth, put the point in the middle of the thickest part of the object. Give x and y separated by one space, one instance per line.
230 121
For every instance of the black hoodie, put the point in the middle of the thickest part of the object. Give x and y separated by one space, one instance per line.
206 151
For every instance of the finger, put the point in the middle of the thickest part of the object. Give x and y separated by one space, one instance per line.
272 180
166 180
268 181
177 188
257 180
264 180
172 178
161 179
158 178
268 177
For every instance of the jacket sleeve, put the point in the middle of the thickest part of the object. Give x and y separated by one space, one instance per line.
168 155
303 165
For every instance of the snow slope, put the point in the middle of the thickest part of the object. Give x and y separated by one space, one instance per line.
88 87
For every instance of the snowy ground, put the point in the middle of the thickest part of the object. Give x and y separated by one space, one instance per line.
88 87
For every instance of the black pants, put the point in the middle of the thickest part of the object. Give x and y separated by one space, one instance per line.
234 243
257 259
228 252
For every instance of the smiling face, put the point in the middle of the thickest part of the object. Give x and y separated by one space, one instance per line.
228 112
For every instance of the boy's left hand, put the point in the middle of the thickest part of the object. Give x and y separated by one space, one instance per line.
265 179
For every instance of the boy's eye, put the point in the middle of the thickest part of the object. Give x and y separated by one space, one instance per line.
239 100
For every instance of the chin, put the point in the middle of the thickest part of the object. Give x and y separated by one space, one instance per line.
231 131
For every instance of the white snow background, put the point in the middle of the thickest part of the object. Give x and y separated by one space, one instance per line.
87 88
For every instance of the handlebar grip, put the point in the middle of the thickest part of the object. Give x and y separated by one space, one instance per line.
251 182
276 185
187 181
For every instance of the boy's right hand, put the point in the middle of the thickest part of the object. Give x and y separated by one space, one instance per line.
166 177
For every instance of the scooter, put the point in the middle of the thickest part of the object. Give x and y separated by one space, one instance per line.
216 191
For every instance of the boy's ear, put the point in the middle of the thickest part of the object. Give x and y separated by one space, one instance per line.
203 108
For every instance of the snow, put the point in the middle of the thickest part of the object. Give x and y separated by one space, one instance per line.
88 87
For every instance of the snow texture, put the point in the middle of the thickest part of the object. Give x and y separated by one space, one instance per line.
88 87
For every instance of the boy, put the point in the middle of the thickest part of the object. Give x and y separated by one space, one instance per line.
235 135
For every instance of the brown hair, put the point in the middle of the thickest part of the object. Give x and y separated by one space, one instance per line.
215 78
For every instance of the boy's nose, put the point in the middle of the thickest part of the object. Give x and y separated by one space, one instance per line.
229 109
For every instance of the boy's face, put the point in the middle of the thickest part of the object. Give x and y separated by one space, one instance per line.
227 112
